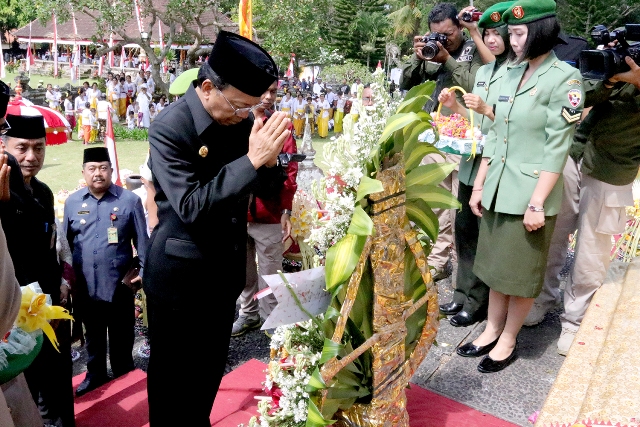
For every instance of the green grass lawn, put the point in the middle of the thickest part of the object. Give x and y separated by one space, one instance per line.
46 79
63 163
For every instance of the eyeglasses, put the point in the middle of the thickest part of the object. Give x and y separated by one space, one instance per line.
240 112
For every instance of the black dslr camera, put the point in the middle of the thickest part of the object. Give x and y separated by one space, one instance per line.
431 49
603 64
471 16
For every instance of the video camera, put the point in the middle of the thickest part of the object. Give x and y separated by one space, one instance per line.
471 16
285 158
604 64
431 49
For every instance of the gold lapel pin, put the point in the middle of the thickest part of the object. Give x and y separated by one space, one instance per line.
203 151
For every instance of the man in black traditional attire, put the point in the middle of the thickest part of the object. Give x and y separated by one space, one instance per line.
207 157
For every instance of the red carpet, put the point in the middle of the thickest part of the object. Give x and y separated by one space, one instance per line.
123 403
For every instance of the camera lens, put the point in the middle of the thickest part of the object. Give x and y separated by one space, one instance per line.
430 50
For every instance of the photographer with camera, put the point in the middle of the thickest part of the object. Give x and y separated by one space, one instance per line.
444 55
449 58
598 179
471 295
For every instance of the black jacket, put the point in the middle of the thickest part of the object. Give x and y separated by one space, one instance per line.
28 220
203 180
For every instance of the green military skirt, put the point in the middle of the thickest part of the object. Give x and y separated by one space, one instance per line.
509 259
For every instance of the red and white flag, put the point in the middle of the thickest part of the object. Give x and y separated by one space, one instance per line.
55 47
111 52
30 60
101 66
110 143
75 64
289 72
164 60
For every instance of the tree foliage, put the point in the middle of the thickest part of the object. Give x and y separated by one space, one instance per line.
291 26
360 29
14 15
188 21
579 16
350 70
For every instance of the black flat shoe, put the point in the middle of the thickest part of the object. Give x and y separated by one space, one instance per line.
488 365
464 318
451 308
471 350
90 384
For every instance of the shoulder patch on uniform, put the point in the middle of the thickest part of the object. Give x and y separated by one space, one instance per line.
571 115
574 82
574 96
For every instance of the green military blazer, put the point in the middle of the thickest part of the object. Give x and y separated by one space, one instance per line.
532 132
485 78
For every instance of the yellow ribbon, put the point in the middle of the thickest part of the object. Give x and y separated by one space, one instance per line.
35 314
473 134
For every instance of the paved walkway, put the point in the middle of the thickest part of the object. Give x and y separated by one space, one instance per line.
513 394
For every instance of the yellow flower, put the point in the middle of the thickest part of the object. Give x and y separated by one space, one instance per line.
35 314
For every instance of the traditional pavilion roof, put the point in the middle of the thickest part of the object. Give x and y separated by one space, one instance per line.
86 26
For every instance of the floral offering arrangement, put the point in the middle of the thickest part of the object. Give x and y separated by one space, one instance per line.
627 245
303 216
322 370
454 126
295 352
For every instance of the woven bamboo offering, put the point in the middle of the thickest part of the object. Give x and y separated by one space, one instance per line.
392 368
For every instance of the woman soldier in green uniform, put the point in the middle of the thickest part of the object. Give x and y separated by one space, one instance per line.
471 295
517 190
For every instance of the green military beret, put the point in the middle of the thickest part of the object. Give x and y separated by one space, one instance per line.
525 11
492 17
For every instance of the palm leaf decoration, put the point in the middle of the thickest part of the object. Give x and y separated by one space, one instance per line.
346 382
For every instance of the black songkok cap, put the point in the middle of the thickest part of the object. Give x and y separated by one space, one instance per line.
26 127
96 154
243 64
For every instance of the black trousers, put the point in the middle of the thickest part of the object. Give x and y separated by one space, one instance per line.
115 319
181 384
49 377
470 290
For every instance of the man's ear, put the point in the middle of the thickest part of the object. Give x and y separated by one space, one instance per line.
207 86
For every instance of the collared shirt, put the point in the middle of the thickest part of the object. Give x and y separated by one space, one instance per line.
98 263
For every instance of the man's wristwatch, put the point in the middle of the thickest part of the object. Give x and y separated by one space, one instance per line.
286 211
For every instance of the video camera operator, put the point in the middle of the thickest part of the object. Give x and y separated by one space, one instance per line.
456 58
598 179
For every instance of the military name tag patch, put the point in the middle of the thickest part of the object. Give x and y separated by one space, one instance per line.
481 84
571 115
574 82
83 212
575 96
464 58
503 98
